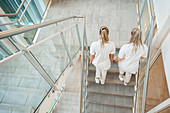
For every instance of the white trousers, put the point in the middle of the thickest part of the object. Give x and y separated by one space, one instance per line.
101 74
127 76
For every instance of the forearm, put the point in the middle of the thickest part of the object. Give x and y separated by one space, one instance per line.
91 59
111 58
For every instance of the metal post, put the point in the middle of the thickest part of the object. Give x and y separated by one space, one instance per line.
86 39
21 46
39 68
78 34
36 64
11 40
147 68
82 66
65 45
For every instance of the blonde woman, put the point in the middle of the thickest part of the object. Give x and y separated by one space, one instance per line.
130 54
102 54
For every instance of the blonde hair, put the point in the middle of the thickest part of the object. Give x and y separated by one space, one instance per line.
104 32
136 38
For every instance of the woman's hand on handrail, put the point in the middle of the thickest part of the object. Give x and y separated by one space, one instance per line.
118 59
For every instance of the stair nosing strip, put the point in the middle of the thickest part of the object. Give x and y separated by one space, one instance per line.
110 104
112 93
132 83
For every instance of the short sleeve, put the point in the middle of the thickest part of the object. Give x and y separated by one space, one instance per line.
92 51
145 52
113 50
122 52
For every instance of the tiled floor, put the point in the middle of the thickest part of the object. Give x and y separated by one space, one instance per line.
118 15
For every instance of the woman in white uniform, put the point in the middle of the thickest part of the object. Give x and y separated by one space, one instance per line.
130 54
102 54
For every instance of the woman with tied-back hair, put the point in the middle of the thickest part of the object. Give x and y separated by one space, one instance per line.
102 54
130 54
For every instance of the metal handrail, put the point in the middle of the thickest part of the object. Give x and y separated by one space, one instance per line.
145 79
14 14
147 68
83 76
17 31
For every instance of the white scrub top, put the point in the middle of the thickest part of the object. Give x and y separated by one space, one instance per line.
130 63
102 59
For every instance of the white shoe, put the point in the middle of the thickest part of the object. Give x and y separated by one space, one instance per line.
125 83
97 80
121 78
102 82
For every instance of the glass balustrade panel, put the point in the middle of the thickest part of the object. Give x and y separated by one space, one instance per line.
21 86
71 38
139 98
52 56
142 69
6 48
145 23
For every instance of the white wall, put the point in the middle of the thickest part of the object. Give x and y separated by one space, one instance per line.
162 10
162 37
166 58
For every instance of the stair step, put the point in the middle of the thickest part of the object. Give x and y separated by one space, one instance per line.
98 108
10 108
112 80
112 100
113 89
91 67
21 96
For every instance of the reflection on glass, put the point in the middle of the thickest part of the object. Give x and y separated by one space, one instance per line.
21 85
33 14
52 56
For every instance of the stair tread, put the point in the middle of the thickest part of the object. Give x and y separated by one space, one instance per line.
112 89
97 108
111 100
112 81
113 70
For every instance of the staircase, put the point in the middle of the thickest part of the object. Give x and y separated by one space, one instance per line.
113 96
